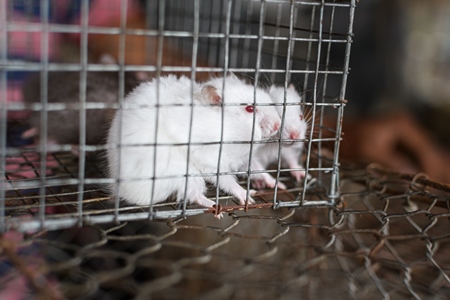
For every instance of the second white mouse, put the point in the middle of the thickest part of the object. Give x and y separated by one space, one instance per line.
294 128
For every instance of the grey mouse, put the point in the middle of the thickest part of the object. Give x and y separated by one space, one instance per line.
63 126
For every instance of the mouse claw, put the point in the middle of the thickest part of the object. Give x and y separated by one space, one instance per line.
218 214
267 182
298 175
258 184
205 202
242 201
281 186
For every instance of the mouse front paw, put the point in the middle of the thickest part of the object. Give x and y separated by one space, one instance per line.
298 175
243 196
258 184
205 202
269 182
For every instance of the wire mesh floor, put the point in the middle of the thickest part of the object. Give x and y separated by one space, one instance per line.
26 209
388 237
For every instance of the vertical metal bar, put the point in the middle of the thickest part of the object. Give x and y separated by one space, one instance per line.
308 59
292 45
347 50
286 78
82 107
174 20
3 111
324 89
208 6
334 193
29 15
316 79
118 146
235 42
171 6
193 72
188 25
161 20
215 45
276 43
225 71
308 55
148 24
262 14
248 31
219 50
121 61
44 112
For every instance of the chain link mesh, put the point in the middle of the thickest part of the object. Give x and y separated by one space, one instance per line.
387 238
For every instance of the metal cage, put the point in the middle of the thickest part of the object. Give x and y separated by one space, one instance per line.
271 42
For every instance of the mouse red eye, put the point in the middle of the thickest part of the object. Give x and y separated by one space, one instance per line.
301 117
250 108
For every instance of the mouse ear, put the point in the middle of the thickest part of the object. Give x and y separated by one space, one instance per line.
232 75
107 59
210 94
291 87
141 76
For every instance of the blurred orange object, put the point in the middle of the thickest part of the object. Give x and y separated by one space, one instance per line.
396 141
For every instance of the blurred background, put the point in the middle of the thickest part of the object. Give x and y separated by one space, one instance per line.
401 60
398 92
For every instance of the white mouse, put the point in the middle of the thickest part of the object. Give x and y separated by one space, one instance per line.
134 164
294 128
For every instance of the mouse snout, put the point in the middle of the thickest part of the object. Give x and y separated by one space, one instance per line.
269 127
276 127
294 135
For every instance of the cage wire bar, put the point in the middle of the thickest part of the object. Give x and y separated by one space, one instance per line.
279 44
4 112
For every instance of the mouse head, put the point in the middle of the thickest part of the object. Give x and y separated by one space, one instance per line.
295 125
238 98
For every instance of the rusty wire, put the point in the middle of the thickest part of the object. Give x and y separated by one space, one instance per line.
388 237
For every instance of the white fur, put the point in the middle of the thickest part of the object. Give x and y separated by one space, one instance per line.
290 151
136 162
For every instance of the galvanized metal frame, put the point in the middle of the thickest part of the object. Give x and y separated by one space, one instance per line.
316 39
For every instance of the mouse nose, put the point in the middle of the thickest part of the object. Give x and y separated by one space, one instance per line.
294 135
276 127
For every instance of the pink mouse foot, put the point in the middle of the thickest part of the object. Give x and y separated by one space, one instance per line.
218 216
281 186
298 175
258 184
250 201
243 196
205 202
266 182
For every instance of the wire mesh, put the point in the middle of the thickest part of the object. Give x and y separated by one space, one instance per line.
387 239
